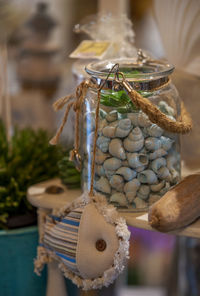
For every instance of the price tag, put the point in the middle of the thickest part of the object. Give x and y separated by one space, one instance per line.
89 49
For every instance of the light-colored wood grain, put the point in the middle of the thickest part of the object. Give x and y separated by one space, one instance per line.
179 206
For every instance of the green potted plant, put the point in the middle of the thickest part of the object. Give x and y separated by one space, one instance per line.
68 173
25 160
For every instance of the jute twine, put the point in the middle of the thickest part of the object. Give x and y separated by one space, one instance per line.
182 125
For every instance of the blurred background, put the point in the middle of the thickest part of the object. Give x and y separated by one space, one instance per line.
36 70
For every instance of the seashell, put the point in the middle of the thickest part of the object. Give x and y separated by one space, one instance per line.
125 163
102 123
113 191
158 153
114 123
123 128
171 161
112 164
152 143
103 185
154 130
172 136
157 163
119 198
157 187
116 149
136 160
166 143
143 120
109 131
143 151
143 192
130 196
133 146
175 176
140 204
103 143
117 182
135 134
102 113
112 116
122 115
127 173
153 198
165 108
147 176
132 186
133 205
99 170
100 157
140 168
163 173
125 124
135 141
171 117
121 133
145 132
133 118
165 189
109 173
139 119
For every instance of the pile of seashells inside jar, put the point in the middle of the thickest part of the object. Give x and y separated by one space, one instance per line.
136 161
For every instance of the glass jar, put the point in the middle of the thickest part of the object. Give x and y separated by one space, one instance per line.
136 161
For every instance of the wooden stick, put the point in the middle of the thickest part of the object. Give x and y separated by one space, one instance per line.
5 97
1 81
179 207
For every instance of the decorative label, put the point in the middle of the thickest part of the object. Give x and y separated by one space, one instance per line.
89 49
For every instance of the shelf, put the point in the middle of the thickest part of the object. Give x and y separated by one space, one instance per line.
38 197
139 221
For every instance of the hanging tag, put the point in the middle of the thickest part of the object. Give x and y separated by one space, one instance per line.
89 49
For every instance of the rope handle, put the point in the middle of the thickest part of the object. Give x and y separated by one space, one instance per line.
184 123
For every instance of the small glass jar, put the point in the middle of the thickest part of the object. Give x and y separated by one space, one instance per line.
136 161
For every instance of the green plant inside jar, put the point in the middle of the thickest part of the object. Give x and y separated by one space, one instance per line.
120 100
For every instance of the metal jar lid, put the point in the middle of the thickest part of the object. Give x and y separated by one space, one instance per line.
142 72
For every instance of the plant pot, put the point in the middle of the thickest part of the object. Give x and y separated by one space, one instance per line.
18 249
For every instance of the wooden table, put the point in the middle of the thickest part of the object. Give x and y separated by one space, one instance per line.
38 197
